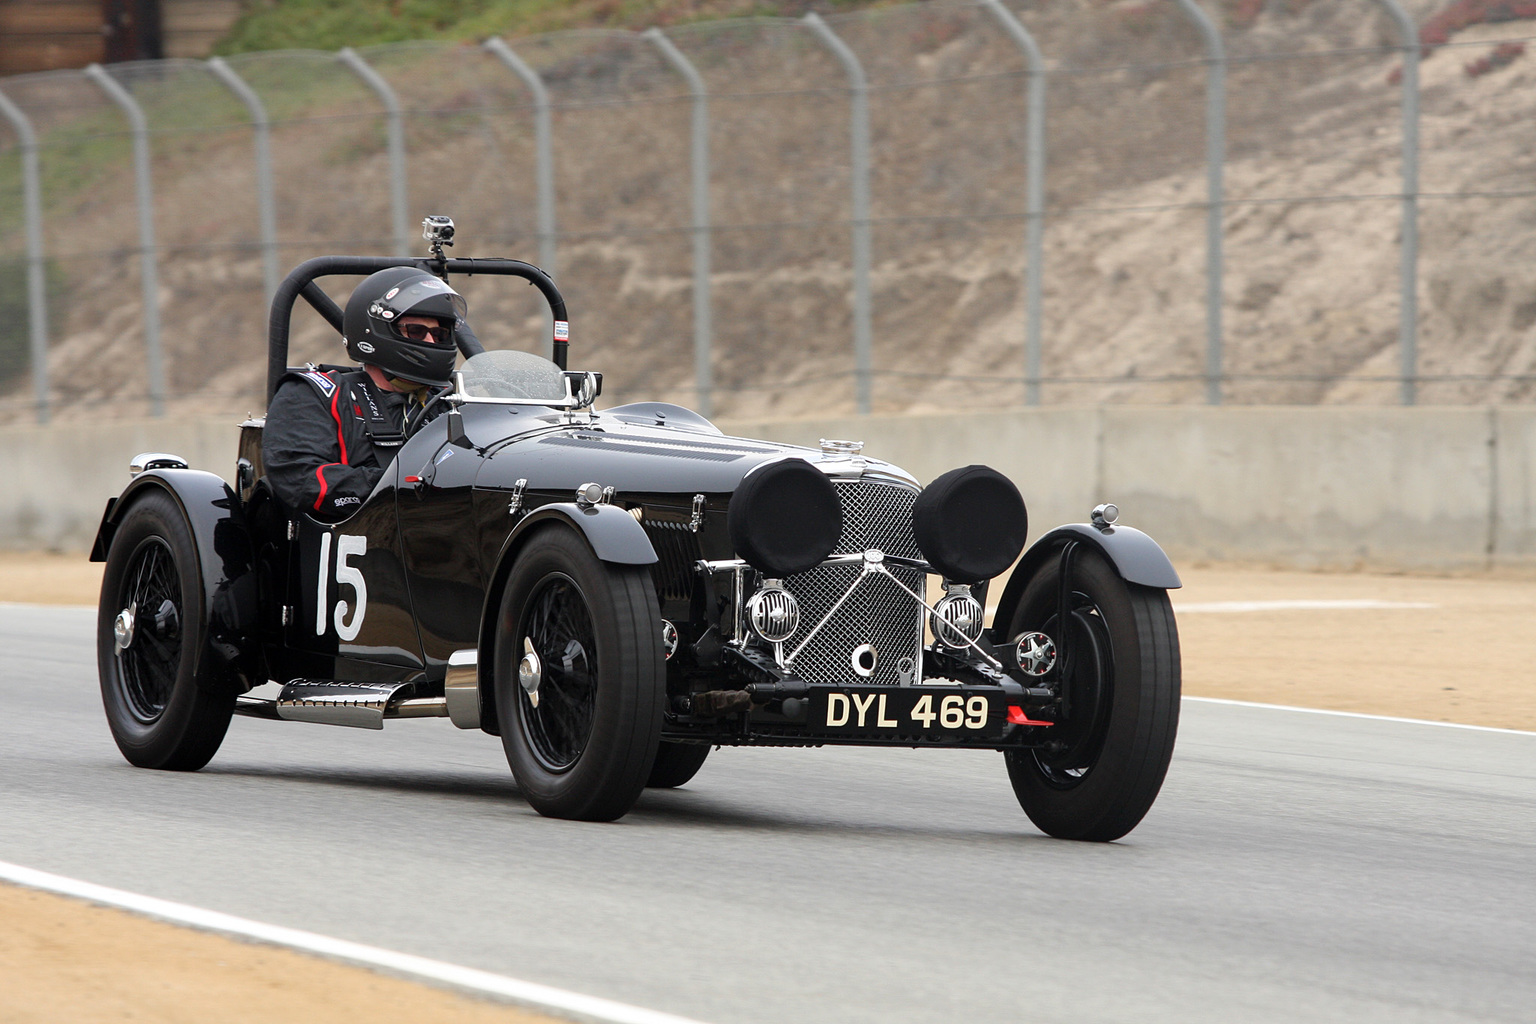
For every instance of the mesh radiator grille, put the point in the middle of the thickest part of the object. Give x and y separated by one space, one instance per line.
877 516
878 613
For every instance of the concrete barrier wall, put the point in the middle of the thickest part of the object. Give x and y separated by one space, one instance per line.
1304 486
1421 488
58 477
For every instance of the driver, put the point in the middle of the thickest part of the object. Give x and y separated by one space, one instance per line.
330 430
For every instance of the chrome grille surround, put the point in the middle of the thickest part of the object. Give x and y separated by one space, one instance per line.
875 515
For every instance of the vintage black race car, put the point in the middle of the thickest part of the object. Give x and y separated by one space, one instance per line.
614 593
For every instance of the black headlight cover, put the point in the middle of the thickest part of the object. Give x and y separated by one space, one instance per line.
785 518
970 523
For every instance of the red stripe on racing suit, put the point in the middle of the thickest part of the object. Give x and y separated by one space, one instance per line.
324 484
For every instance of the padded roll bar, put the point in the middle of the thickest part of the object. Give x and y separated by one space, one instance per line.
301 282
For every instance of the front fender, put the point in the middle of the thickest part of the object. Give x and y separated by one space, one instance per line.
1135 556
614 534
217 521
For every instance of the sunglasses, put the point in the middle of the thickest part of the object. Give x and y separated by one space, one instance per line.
421 332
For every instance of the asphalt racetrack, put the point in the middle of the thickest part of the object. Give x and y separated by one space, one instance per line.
1297 867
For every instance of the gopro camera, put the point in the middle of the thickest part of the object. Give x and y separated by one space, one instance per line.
438 229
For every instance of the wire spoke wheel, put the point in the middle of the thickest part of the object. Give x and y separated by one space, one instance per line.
152 659
1096 772
559 630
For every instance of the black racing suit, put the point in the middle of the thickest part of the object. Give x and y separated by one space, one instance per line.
331 432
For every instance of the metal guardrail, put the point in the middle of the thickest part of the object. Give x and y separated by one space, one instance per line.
149 272
564 78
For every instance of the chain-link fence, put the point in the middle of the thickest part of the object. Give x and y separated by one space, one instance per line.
1252 203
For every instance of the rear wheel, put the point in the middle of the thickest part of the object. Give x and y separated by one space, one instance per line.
1100 767
676 763
150 630
580 678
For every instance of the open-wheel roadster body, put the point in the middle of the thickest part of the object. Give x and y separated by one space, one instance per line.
617 593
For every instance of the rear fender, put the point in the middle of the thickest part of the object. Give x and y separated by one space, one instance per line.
613 535
213 514
1134 555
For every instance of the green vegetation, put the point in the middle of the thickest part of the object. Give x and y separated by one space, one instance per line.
332 24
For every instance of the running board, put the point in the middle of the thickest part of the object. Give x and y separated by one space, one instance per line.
334 702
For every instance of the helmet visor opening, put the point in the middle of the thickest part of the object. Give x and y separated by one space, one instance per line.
439 332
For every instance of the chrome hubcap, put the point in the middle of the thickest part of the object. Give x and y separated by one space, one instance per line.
122 629
1036 653
530 672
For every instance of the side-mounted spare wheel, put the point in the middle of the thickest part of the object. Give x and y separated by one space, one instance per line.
580 677
151 627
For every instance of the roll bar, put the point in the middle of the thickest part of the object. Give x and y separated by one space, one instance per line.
301 282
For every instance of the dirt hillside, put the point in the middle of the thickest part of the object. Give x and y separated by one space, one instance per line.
1311 230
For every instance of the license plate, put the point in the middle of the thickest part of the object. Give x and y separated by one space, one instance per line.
897 711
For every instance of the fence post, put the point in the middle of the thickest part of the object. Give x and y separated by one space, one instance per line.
1408 306
397 194
859 143
703 373
148 269
37 286
544 159
266 212
1215 159
1034 194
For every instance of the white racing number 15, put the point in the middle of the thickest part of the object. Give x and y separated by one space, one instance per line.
346 576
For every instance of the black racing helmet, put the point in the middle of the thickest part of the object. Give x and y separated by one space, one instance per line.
370 324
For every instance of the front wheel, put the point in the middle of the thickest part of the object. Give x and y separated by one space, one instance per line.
580 678
151 628
1100 767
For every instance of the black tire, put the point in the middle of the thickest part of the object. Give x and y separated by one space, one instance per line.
586 750
160 714
676 763
1105 762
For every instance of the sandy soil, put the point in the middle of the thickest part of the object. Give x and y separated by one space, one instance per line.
1453 649
1465 656
36 577
64 960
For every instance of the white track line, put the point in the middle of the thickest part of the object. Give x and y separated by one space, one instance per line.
570 1005
1299 605
1358 714
1352 604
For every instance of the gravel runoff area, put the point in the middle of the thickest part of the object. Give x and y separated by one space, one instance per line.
64 960
1443 648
